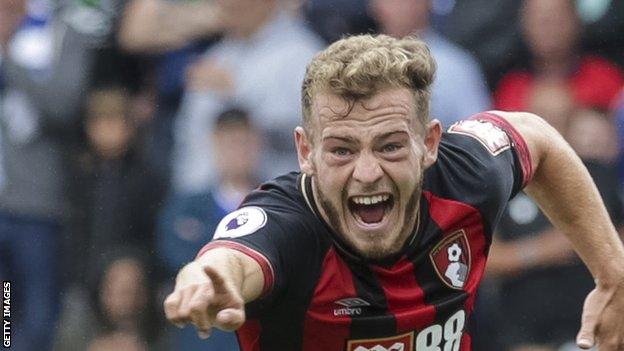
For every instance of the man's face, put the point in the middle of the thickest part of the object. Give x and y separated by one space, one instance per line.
551 27
368 167
399 18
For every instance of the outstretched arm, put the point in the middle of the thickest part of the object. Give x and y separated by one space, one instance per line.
566 193
212 291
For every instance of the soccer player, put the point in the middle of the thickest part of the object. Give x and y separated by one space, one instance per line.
381 241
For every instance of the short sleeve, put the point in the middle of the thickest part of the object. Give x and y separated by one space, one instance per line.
483 162
497 136
275 232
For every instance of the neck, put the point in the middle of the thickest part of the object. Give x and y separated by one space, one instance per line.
554 67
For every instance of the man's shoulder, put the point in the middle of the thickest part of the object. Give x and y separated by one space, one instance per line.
282 195
276 211
472 159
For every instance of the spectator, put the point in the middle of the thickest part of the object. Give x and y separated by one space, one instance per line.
258 65
459 89
185 30
333 19
489 32
188 221
618 116
114 194
551 30
40 97
119 311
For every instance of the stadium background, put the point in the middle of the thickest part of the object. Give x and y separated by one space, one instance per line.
129 127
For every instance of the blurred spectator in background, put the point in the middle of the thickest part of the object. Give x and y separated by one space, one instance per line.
332 19
45 67
551 30
186 28
618 116
459 89
114 198
119 312
115 195
123 301
488 30
258 65
603 23
188 220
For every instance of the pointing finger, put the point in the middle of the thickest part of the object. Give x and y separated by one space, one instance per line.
218 283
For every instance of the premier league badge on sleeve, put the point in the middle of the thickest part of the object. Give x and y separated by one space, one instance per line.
451 260
241 222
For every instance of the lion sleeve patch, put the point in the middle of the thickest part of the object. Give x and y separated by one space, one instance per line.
492 137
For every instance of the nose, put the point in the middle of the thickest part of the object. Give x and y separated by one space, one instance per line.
367 169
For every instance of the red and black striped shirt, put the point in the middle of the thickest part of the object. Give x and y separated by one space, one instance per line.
320 296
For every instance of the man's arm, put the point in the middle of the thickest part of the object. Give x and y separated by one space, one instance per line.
159 25
212 291
566 193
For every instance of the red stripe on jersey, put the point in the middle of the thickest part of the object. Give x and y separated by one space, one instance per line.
520 145
249 335
403 294
466 342
265 265
451 216
327 323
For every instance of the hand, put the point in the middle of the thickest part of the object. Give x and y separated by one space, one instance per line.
207 75
205 299
602 322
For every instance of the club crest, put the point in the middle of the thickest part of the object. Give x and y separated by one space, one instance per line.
451 260
243 221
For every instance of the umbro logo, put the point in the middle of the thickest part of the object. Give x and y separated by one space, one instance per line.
352 306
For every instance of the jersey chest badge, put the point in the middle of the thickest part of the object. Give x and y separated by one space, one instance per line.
487 133
403 342
451 259
241 222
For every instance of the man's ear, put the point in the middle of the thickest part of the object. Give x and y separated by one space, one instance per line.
433 134
304 151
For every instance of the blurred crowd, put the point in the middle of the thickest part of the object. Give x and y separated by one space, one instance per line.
128 128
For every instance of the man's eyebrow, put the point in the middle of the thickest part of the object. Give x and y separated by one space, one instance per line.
389 134
346 139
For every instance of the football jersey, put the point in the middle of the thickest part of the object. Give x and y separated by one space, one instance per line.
319 295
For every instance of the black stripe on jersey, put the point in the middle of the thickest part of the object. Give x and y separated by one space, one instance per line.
444 299
375 321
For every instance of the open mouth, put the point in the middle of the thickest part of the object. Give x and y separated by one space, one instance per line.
370 209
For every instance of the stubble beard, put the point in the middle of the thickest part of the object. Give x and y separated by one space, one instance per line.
376 251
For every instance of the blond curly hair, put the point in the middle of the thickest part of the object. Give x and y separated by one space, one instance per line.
360 66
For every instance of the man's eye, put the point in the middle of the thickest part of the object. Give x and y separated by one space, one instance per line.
391 147
341 152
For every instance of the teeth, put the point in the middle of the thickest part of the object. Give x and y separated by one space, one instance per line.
370 200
